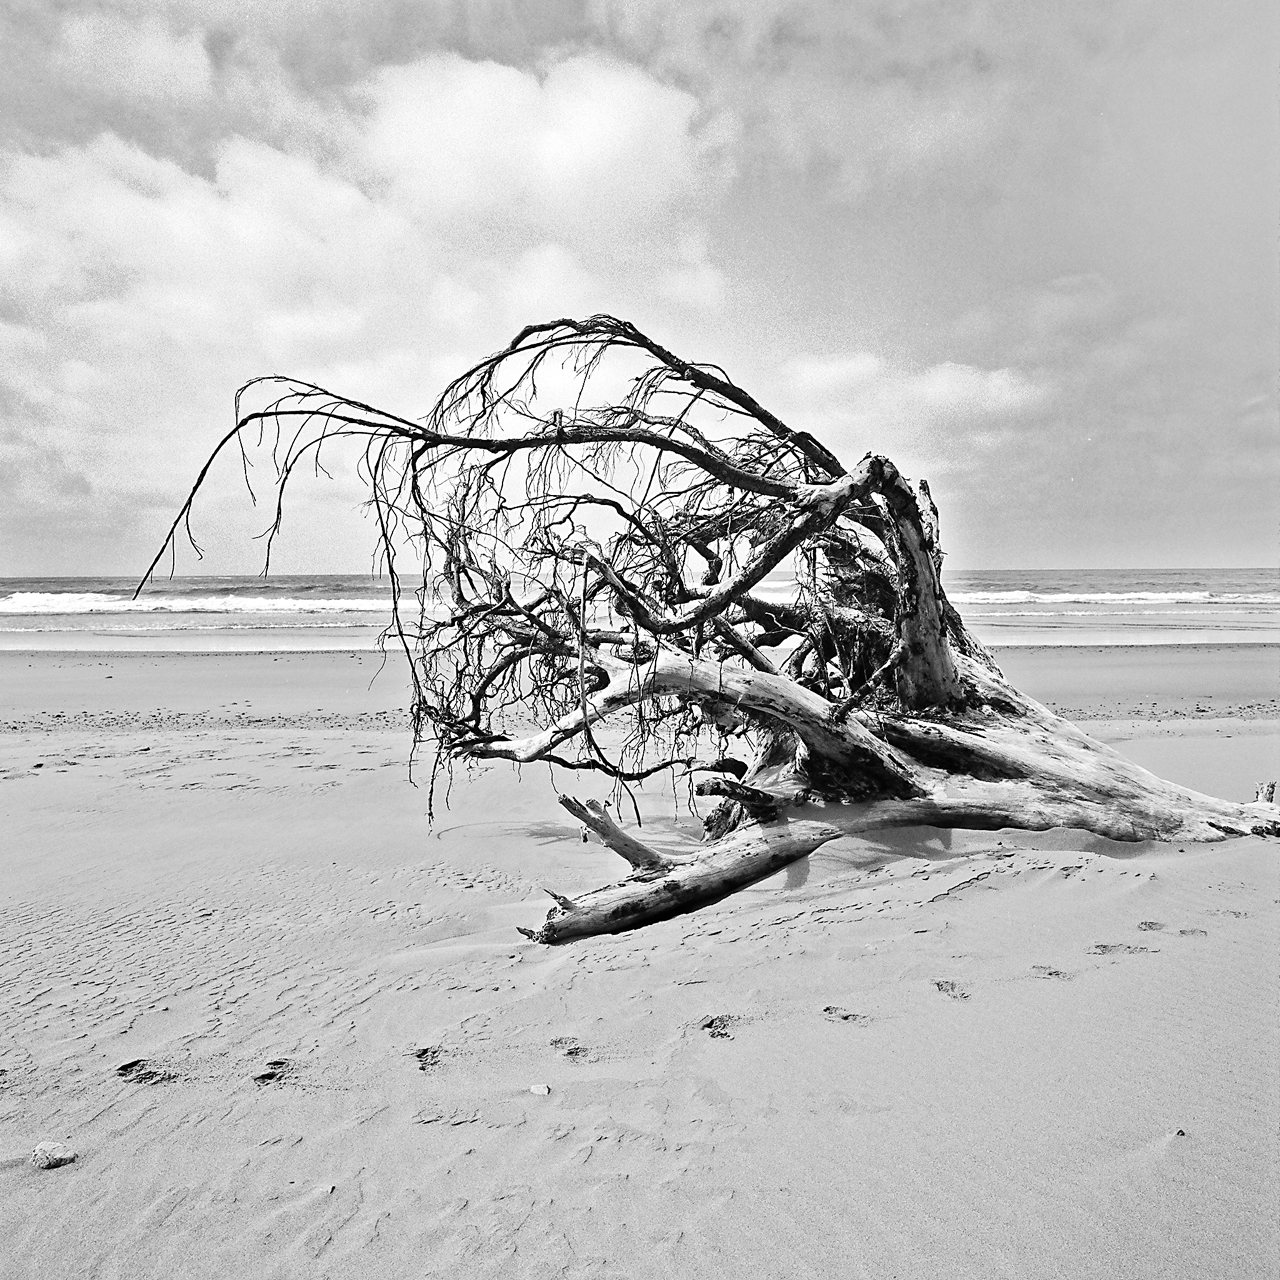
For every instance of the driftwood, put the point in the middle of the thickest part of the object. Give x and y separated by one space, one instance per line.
593 520
663 886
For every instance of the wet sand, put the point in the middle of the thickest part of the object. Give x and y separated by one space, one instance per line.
1149 681
962 1054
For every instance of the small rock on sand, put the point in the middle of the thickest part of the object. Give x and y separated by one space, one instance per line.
52 1155
543 1089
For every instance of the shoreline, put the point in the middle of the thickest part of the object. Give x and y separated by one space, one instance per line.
1204 716
1088 682
258 653
1265 640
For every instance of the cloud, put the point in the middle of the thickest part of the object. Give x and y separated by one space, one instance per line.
145 291
932 416
823 377
957 425
859 96
137 58
855 96
961 391
971 233
591 151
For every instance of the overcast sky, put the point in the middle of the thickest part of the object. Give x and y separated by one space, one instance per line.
1027 249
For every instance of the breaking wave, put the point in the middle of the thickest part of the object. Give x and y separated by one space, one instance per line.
41 603
1113 597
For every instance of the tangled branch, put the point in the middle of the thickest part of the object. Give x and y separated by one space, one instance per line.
592 524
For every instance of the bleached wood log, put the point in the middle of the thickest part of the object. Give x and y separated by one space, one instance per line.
654 893
593 815
1163 812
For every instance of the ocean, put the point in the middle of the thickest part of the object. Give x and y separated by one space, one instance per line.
341 612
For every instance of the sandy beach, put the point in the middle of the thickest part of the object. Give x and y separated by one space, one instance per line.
290 1029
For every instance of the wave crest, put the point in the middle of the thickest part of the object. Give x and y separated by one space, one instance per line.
43 603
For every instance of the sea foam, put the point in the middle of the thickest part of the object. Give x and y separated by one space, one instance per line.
40 603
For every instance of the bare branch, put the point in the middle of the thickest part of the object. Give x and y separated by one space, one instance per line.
592 543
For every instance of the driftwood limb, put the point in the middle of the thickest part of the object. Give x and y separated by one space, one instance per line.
748 855
760 806
592 814
594 552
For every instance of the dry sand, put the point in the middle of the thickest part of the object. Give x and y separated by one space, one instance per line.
966 1055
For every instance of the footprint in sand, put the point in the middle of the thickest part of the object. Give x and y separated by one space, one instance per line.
717 1026
836 1014
952 989
140 1071
1149 925
277 1070
1046 971
430 1056
454 1118
1118 948
570 1047
1193 933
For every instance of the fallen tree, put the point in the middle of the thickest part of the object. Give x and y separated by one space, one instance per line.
594 523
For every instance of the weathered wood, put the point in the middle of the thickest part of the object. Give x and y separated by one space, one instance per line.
592 814
1160 814
761 806
925 667
847 746
741 859
1028 769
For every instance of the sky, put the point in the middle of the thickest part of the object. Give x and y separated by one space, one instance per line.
1026 249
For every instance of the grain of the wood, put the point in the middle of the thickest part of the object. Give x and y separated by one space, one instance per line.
592 814
810 716
761 806
748 855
